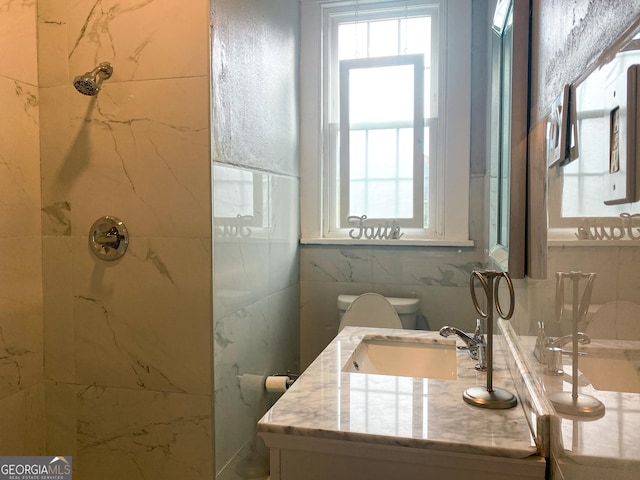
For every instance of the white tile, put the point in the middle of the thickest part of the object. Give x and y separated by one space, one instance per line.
284 260
62 417
336 264
20 314
58 312
143 434
53 59
18 41
144 322
118 138
148 40
20 164
22 416
61 160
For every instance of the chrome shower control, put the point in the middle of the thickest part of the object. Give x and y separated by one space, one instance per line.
108 238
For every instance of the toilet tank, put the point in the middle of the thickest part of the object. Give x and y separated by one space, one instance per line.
406 308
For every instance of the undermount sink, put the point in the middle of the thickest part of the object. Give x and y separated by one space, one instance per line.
405 357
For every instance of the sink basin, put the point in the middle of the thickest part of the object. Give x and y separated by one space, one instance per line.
405 357
615 371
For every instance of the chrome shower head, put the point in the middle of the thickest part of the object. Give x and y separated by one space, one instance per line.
90 82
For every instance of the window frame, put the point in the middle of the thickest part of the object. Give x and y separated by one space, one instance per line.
417 126
449 218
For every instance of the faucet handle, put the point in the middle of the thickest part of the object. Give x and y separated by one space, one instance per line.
477 334
481 357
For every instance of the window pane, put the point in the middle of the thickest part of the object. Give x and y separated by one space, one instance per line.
357 155
381 94
405 152
405 199
416 37
357 199
387 199
382 154
383 38
352 40
381 196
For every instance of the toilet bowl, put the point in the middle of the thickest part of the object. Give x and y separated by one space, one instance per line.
374 310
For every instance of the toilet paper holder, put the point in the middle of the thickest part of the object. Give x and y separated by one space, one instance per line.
279 381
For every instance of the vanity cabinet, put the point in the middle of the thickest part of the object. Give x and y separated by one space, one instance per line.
308 458
337 424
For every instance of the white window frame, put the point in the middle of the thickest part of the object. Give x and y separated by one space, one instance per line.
417 62
450 174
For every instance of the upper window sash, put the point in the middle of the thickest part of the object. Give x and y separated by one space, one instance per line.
416 123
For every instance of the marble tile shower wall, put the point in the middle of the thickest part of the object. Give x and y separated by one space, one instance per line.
21 371
256 298
127 343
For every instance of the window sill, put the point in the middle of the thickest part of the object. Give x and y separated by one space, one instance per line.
388 243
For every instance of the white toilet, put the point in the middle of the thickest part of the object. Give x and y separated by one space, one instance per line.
374 310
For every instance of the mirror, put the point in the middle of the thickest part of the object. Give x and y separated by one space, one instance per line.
240 203
508 136
588 197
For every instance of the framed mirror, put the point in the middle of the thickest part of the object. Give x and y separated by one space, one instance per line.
508 135
583 206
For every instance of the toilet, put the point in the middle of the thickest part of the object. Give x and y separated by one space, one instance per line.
374 310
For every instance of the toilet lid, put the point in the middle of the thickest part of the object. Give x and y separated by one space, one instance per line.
371 310
401 305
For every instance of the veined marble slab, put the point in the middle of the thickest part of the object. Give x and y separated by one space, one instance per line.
326 402
611 442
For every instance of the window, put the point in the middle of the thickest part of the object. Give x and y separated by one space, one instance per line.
385 119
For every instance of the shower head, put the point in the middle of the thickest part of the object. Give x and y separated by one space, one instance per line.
90 82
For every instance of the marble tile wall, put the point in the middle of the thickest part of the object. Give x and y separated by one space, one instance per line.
128 344
256 255
256 319
21 341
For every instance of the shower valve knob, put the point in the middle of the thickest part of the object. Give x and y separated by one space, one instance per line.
108 238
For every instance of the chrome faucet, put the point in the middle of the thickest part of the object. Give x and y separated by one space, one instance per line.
549 351
475 344
544 343
583 339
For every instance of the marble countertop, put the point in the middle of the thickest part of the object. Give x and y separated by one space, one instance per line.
613 440
326 402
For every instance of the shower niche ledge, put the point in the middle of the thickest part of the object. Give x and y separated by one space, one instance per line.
334 423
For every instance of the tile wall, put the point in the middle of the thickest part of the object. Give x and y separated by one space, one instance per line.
256 192
21 342
127 382
127 343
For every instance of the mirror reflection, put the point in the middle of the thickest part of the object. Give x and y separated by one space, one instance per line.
581 188
240 203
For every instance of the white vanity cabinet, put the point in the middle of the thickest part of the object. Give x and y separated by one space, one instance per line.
308 458
335 424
